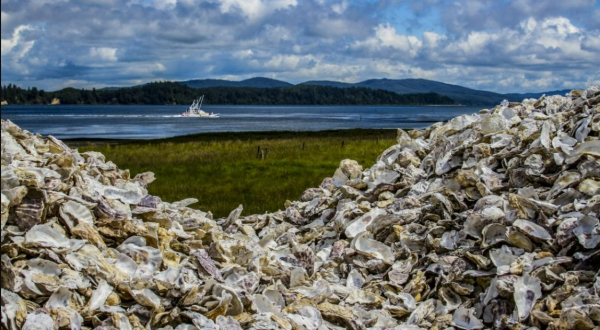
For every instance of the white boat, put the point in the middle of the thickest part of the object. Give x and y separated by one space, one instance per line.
195 111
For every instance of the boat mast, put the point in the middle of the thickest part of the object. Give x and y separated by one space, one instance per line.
194 107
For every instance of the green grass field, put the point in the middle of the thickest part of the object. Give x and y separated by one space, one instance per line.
222 170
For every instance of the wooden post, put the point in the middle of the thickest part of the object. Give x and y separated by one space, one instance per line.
266 152
303 143
258 152
343 143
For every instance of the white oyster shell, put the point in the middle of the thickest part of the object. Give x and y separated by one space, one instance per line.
493 123
99 295
73 213
305 318
527 291
588 232
360 224
371 248
38 322
464 318
46 236
532 229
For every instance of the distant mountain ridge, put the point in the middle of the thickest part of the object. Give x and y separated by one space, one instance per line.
459 94
257 82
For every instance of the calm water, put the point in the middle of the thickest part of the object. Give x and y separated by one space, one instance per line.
159 121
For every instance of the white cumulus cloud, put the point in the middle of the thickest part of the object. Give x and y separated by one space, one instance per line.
256 9
9 44
104 53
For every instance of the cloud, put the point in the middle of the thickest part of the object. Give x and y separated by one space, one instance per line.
104 53
495 45
340 7
591 43
255 9
534 54
159 4
17 43
464 16
386 42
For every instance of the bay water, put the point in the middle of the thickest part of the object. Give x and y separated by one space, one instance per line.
161 121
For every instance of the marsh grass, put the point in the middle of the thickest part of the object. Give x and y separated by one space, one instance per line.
222 170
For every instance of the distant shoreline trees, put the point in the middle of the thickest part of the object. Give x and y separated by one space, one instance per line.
172 93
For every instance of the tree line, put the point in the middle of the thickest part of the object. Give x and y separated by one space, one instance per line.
176 93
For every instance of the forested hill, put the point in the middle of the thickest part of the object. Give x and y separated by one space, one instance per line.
176 93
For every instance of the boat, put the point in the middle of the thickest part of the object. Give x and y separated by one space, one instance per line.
195 111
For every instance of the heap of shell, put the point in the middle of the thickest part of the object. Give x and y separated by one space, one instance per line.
488 221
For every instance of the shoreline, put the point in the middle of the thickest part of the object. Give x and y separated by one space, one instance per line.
351 133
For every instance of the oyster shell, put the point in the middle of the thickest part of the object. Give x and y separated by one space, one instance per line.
464 318
371 248
531 229
527 290
46 236
588 232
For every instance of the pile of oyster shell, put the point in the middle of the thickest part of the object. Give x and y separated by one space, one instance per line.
487 221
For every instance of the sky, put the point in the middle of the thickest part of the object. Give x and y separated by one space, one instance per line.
501 45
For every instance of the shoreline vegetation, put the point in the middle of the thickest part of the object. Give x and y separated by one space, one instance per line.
173 93
260 170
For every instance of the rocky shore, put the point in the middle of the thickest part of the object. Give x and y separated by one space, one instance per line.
489 221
